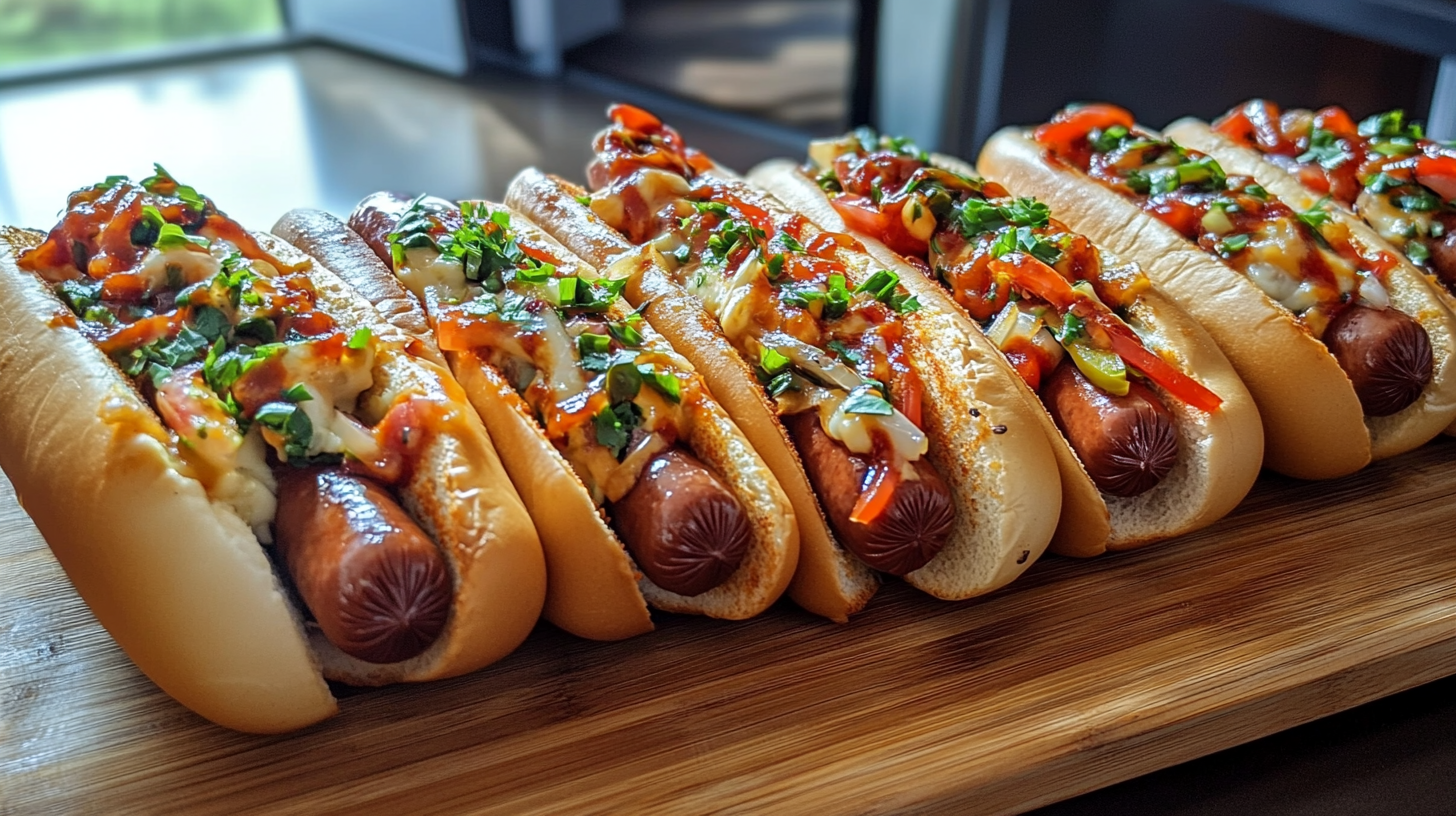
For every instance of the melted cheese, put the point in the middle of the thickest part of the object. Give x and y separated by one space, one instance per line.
426 271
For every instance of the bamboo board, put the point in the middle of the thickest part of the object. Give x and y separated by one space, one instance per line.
1311 598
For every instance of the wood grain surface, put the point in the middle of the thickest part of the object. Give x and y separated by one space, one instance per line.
1309 599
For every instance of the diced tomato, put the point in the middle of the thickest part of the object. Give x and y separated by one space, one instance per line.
1064 133
1026 364
908 393
1439 174
1313 176
1186 218
1040 280
826 245
1336 120
633 118
876 498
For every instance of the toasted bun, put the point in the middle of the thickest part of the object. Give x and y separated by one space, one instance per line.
595 590
1219 454
1413 291
202 613
1313 425
1003 480
827 582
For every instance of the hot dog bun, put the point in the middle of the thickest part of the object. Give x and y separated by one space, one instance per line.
1239 159
1314 427
595 590
1219 453
200 610
1000 471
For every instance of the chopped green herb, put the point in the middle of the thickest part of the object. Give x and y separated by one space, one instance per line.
1022 239
1324 149
781 383
624 380
1390 124
297 393
584 200
1105 141
716 208
836 298
1232 244
664 382
292 423
866 399
845 353
360 339
614 425
1316 216
977 216
256 328
775 266
1073 328
1421 201
1382 183
1418 253
771 361
171 236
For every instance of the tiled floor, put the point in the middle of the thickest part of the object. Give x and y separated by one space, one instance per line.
322 128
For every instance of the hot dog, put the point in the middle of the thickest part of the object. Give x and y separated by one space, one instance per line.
375 583
1266 275
1381 179
588 401
895 422
1071 321
1129 442
224 383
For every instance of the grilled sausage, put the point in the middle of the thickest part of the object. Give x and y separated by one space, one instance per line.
686 532
1386 354
1127 443
907 534
376 584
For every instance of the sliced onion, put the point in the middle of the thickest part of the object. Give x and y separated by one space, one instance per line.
820 365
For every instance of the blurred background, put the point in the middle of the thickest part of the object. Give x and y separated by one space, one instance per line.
274 102
267 105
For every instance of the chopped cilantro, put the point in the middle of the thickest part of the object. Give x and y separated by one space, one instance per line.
836 298
845 353
1420 201
1316 216
292 423
867 399
1232 244
298 392
1324 149
1105 141
771 361
664 382
359 340
614 425
1418 253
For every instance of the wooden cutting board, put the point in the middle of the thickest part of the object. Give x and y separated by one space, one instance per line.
1311 598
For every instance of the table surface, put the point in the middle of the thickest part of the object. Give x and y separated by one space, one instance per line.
342 126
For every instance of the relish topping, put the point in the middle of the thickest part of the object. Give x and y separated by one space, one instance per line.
607 397
1401 183
776 285
228 343
1303 260
979 242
